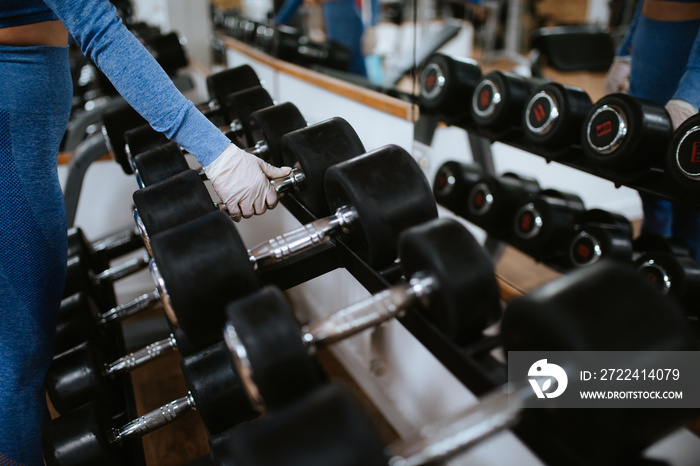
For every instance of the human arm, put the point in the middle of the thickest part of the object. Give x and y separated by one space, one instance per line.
142 82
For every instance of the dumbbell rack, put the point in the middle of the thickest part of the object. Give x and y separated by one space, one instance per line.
473 365
647 179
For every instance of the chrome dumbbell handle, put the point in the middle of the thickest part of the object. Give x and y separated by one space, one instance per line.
115 242
294 181
122 270
129 309
367 313
154 420
494 413
302 238
142 356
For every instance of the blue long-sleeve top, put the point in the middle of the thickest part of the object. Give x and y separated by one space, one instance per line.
665 58
132 70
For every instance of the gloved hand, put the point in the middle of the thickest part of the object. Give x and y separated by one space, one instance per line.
680 110
241 181
618 77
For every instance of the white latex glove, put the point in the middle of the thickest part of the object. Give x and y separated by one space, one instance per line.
618 77
680 110
241 181
369 40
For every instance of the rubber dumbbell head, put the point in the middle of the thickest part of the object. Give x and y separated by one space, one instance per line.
168 51
78 245
142 139
269 125
625 133
683 155
268 350
78 376
231 80
499 100
554 115
80 319
314 149
170 203
452 183
492 201
80 277
328 426
388 193
446 83
216 388
543 224
601 234
239 106
83 438
100 252
115 122
198 268
159 164
591 243
677 276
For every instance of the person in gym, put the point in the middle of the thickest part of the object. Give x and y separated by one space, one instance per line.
659 60
35 103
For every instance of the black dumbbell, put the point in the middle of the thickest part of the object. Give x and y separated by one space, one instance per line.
492 201
605 307
267 126
374 196
683 155
84 372
600 234
98 254
241 105
675 275
168 51
80 318
446 83
543 224
499 100
327 426
142 139
555 114
625 133
115 122
87 435
452 184
449 280
226 82
311 150
81 277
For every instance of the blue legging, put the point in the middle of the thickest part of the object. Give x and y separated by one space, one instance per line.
35 99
